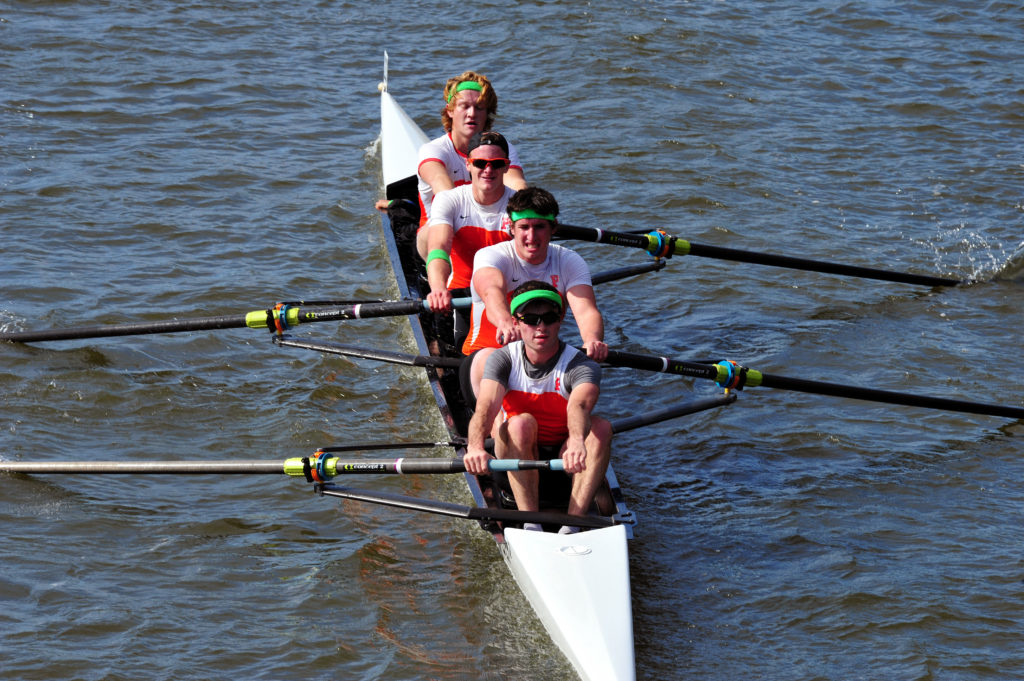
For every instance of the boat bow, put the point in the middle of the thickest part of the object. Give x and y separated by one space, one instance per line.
579 586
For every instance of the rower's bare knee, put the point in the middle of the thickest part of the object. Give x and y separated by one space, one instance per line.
421 243
516 437
522 427
521 431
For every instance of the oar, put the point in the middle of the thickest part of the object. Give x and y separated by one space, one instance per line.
466 512
640 420
731 375
663 245
372 446
333 466
627 271
324 466
281 316
332 348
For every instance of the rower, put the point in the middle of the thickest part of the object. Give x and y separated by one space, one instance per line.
530 255
464 220
470 106
545 391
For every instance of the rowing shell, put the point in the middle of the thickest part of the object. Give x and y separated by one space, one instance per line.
577 584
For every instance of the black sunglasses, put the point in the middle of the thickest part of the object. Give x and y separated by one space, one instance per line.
533 319
482 163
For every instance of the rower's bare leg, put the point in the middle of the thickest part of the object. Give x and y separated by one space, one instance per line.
516 438
476 369
421 243
586 482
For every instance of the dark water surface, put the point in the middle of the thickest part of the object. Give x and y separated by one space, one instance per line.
176 160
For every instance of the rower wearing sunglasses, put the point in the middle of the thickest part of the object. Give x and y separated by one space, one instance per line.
464 220
546 392
530 255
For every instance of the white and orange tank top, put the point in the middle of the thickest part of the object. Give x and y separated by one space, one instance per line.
444 152
545 397
476 226
564 268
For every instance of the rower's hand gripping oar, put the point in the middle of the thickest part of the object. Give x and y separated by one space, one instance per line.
731 375
662 245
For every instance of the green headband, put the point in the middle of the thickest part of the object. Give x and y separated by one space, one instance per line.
465 85
530 213
535 294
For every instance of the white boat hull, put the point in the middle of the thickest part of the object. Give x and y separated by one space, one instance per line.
579 586
401 139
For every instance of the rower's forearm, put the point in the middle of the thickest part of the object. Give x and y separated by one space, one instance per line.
475 436
438 272
591 327
578 421
496 305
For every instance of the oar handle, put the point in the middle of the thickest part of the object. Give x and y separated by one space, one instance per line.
662 364
388 308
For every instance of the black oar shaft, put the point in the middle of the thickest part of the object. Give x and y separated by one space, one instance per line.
388 308
289 315
634 422
682 247
792 263
374 446
626 272
459 511
662 364
259 319
889 397
753 378
143 467
333 348
295 467
132 329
